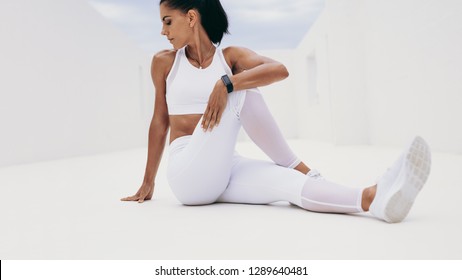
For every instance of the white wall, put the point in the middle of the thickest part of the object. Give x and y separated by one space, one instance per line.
386 70
331 102
280 97
312 85
414 69
70 83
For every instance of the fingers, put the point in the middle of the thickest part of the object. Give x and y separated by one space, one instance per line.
145 192
137 197
133 197
215 108
211 119
144 197
205 119
130 198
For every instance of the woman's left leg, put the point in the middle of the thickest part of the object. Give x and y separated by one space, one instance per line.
200 164
260 126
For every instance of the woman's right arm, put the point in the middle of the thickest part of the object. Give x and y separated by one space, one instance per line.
160 67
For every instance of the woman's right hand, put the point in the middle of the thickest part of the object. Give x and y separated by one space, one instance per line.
144 193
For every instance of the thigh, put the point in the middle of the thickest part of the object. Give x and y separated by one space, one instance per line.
199 169
261 182
211 150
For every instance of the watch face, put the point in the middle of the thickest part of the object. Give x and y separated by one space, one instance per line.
227 81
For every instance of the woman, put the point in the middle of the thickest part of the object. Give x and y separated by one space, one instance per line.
204 94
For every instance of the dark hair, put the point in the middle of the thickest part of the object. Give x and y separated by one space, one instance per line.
213 16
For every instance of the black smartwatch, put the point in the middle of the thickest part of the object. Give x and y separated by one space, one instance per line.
227 81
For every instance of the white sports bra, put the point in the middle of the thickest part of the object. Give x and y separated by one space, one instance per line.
188 88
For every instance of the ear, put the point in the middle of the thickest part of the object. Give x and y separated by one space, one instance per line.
193 17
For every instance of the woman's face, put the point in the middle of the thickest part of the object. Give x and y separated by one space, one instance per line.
175 26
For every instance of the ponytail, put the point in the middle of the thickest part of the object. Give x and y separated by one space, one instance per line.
213 16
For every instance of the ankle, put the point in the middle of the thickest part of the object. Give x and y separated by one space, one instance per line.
302 168
368 197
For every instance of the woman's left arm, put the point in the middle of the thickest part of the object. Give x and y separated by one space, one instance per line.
250 70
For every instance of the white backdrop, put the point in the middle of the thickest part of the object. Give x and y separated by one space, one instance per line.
386 71
71 84
368 72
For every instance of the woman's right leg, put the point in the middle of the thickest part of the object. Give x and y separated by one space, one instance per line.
263 182
259 182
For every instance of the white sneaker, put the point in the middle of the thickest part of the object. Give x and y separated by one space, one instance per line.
399 186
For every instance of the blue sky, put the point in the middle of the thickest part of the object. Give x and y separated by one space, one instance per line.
256 24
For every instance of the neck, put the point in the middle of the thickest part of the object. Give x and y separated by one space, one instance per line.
200 45
200 53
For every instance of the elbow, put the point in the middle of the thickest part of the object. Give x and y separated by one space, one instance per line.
160 126
282 70
163 131
158 132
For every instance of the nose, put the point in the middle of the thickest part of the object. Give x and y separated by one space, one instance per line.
163 32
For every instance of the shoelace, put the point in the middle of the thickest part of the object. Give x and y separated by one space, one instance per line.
313 173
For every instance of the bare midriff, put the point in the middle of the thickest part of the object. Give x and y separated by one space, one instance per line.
182 125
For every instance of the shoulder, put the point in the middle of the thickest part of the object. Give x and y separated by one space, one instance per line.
236 52
162 62
241 59
236 57
163 57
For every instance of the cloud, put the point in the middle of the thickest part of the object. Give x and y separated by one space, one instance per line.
126 12
273 10
111 11
270 24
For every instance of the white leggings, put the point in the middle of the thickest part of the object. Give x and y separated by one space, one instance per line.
204 167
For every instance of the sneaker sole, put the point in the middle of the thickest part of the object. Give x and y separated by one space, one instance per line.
410 181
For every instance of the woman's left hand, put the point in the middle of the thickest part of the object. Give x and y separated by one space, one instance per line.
216 106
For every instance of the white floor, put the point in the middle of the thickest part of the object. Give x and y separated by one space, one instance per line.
70 209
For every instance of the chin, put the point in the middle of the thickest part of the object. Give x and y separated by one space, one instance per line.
177 47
